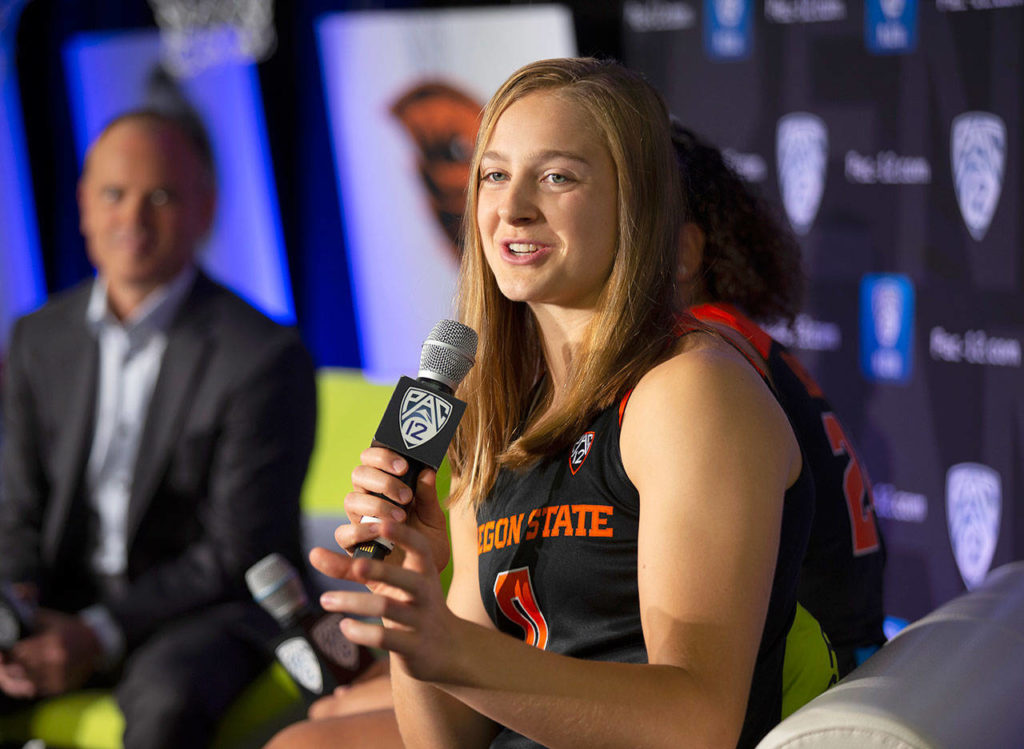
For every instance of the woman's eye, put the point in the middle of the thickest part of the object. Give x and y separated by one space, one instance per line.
493 177
557 179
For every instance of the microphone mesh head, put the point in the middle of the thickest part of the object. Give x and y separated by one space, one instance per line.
447 354
275 586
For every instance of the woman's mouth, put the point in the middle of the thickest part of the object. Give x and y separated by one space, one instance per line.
523 248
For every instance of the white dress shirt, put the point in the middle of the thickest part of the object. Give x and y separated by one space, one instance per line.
130 354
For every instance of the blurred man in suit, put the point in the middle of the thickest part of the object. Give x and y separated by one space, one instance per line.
157 433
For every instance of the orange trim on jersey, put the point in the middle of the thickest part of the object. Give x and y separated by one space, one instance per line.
813 389
732 317
729 317
622 405
726 314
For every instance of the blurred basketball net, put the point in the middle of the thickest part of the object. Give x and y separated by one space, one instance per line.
199 34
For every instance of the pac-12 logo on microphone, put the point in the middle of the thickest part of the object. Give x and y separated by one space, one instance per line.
974 501
422 415
580 451
978 153
299 660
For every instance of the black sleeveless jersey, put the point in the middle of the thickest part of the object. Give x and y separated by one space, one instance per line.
841 580
557 554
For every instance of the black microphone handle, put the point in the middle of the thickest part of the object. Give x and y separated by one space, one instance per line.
317 655
344 658
375 549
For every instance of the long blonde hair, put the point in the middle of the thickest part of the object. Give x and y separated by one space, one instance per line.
632 328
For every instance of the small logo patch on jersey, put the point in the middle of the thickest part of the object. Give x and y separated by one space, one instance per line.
580 451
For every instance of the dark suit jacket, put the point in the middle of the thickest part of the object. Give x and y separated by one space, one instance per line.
222 458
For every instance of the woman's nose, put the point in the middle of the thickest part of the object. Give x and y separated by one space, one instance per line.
518 205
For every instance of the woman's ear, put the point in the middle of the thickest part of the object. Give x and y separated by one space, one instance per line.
690 253
689 258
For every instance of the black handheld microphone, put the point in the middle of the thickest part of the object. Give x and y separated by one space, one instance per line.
311 647
16 618
421 417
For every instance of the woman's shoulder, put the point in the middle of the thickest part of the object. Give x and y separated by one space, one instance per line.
700 361
704 396
705 386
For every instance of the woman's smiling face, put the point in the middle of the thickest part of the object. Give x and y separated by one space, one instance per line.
547 203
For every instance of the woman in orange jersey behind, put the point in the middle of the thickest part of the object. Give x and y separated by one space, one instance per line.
630 505
738 264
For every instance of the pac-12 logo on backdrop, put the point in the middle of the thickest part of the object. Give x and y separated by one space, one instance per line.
801 153
728 29
974 503
422 416
890 26
978 155
886 327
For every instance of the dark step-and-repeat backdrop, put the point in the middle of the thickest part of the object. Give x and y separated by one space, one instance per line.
888 132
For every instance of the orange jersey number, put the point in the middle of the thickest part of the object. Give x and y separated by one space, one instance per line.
855 489
514 593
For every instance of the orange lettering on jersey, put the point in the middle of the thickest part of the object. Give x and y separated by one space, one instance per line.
515 528
558 520
532 526
581 512
488 540
599 526
563 522
548 512
501 533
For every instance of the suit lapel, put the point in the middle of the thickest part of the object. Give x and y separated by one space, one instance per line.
71 448
184 360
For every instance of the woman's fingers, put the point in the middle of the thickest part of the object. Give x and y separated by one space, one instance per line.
368 481
401 641
349 535
414 581
378 474
409 579
331 563
418 552
371 606
359 505
384 459
405 613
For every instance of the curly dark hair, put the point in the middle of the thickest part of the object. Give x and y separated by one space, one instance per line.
750 258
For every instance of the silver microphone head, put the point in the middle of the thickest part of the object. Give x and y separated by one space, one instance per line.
448 353
275 586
